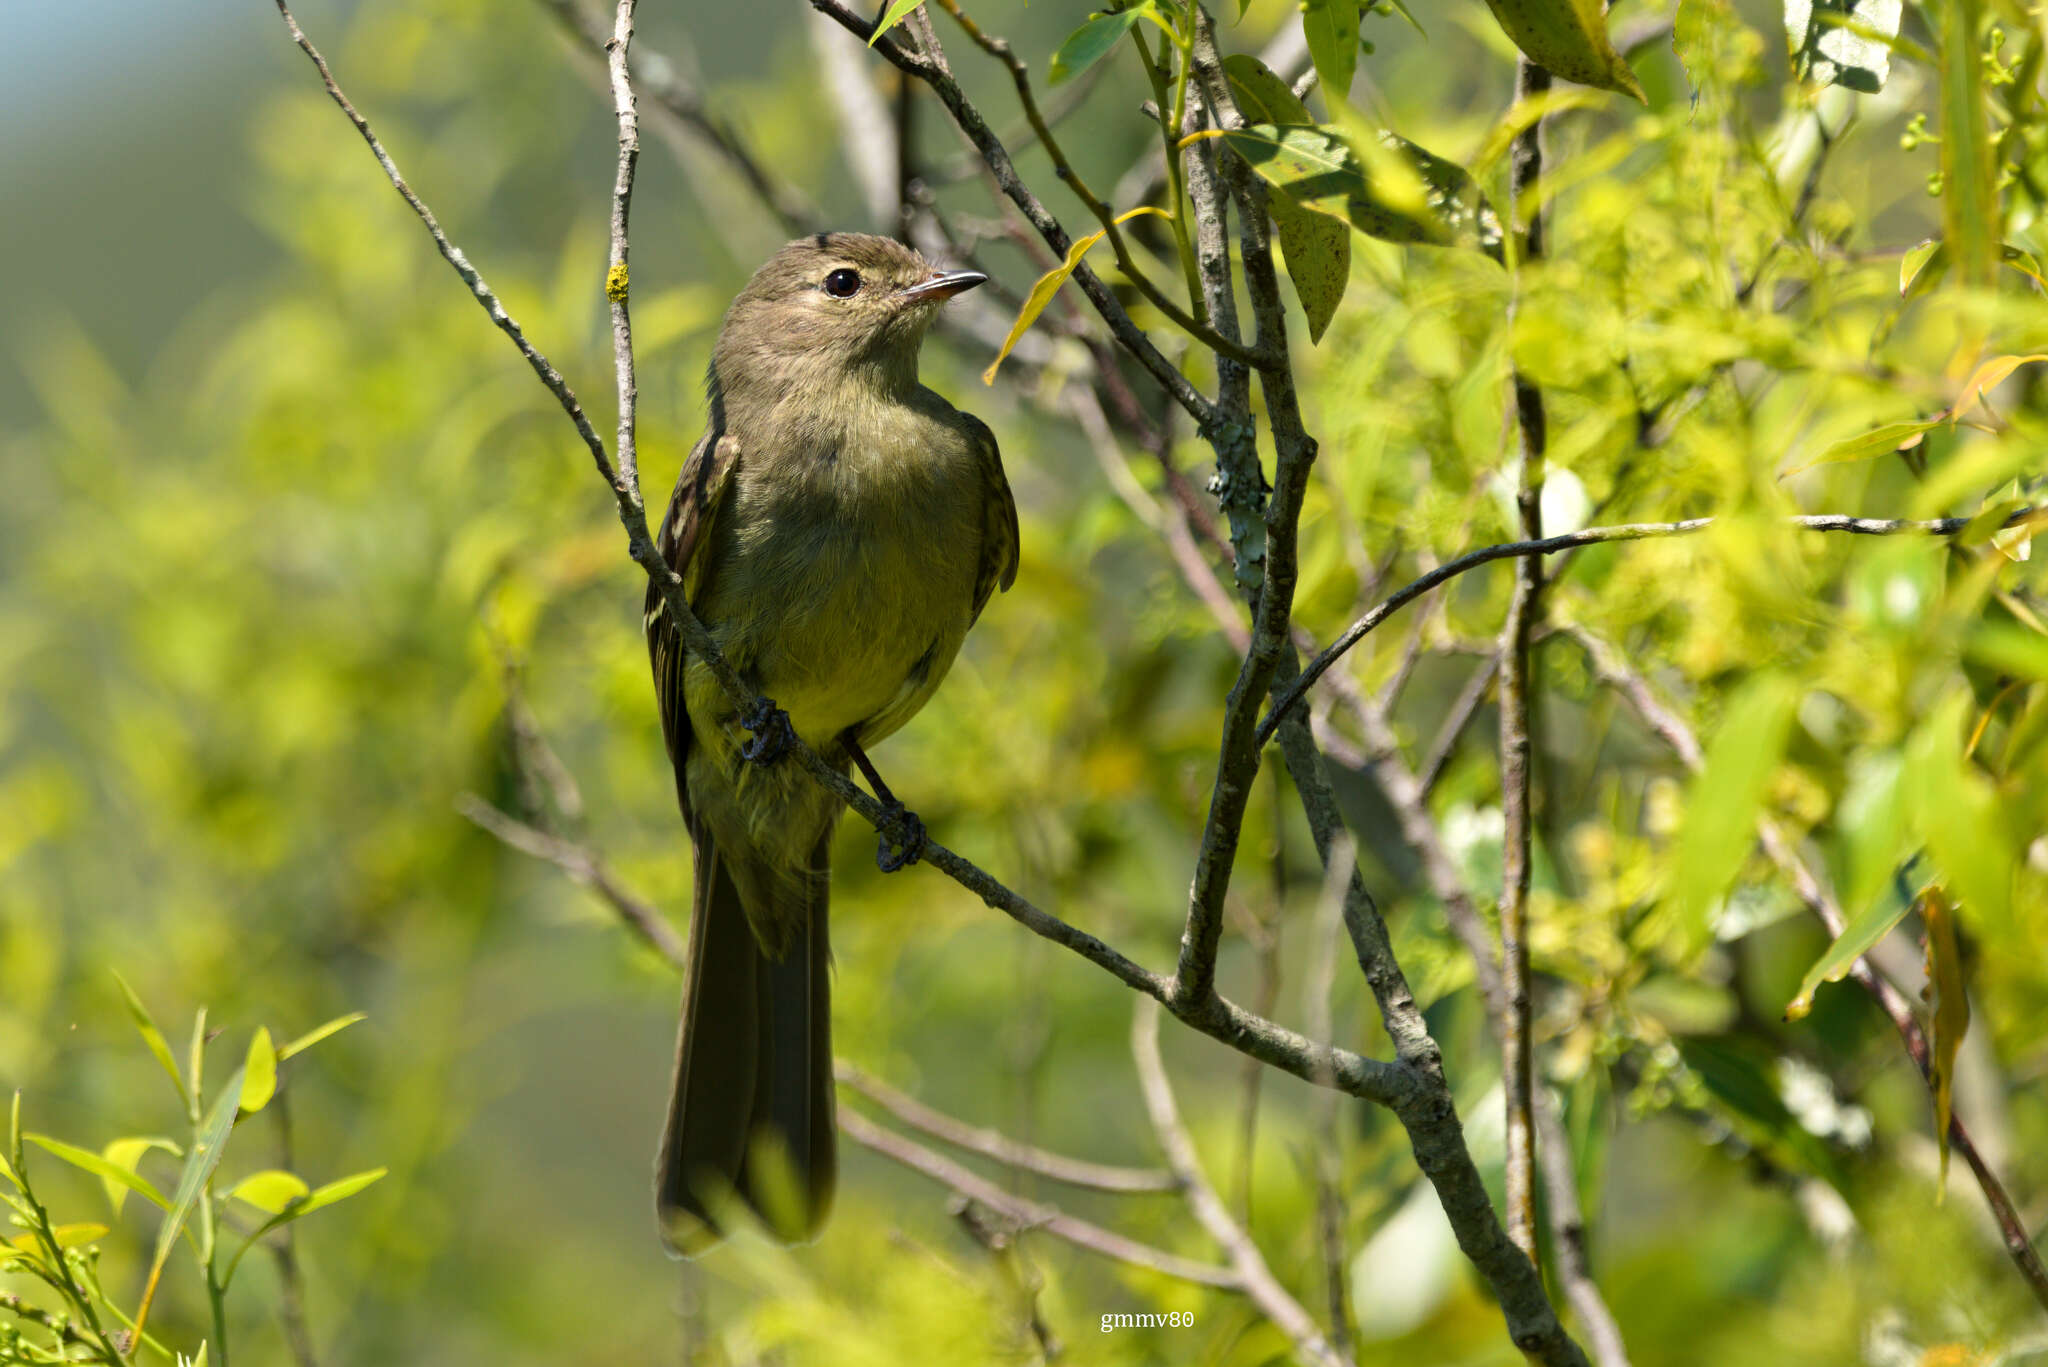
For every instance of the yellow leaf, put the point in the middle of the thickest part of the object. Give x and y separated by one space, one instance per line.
1049 284
1951 1009
1987 377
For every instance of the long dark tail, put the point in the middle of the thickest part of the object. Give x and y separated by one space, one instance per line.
752 1105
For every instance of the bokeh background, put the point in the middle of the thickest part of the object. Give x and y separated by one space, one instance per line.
277 498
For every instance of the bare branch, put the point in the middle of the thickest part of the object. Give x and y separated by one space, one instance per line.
1003 1149
1518 1049
1255 1279
1030 1214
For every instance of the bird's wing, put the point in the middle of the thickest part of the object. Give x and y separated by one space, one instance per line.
998 566
682 539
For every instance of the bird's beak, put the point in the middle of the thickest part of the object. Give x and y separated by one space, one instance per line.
941 285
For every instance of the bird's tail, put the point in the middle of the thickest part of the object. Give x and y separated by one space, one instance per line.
752 1105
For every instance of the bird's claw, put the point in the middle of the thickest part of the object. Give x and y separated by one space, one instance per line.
902 840
772 733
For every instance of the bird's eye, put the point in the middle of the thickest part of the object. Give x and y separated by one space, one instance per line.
843 283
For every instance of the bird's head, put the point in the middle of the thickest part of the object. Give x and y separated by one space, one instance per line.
845 300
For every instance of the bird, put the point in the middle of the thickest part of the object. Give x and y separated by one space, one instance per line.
837 529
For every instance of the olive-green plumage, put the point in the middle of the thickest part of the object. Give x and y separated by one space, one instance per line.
838 528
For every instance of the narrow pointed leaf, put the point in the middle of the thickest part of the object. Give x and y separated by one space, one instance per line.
318 1033
118 1175
1987 377
1049 284
891 17
199 1165
1857 937
153 1037
1881 441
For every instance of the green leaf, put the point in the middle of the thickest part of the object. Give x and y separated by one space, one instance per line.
1869 926
153 1037
1969 195
259 1073
199 1165
67 1236
1262 94
1842 42
891 17
318 1033
1950 1001
338 1190
2008 649
116 1170
1410 194
270 1191
1721 811
1049 284
1882 441
1316 248
1091 42
1568 38
1739 1078
1331 28
1923 266
1956 811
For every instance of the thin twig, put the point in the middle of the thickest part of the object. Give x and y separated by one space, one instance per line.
1638 531
1327 1159
1031 1214
999 1146
1255 1278
684 106
1463 708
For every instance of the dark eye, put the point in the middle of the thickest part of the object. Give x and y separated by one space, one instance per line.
843 283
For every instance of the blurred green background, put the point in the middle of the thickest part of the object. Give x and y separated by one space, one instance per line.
269 474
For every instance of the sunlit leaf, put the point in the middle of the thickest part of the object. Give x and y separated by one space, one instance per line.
1845 42
116 1168
1949 1002
1881 441
891 17
1922 265
1864 930
67 1236
270 1191
1568 38
1722 807
259 1073
318 1033
1049 284
1093 41
1986 377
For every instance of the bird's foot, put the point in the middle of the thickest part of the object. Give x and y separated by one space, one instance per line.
772 733
903 838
